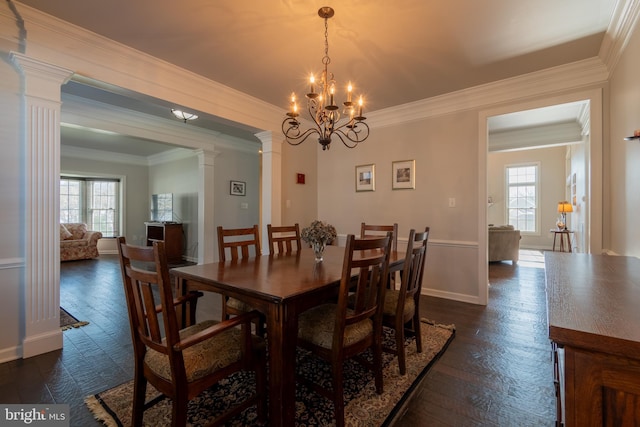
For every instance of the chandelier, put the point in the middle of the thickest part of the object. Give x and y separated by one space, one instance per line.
324 112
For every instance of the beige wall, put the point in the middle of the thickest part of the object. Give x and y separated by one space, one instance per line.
445 151
624 162
299 201
551 190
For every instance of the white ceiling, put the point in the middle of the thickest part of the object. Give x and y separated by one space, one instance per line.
393 52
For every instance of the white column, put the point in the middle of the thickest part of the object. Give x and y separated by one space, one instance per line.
206 196
271 193
41 112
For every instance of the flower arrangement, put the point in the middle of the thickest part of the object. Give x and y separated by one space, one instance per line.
319 232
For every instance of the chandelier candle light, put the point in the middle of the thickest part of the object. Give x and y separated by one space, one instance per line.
322 108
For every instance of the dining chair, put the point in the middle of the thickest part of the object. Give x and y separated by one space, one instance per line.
369 230
182 362
402 307
242 244
342 330
282 239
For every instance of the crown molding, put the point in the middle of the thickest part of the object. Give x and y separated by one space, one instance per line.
96 115
98 58
547 135
624 19
101 156
576 75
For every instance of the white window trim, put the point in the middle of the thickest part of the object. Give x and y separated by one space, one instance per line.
538 231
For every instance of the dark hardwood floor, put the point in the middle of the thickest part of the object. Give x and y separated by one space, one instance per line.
496 372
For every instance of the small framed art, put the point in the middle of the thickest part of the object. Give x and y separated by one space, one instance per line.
366 177
403 174
238 188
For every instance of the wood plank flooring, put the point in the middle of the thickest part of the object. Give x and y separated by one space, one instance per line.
496 372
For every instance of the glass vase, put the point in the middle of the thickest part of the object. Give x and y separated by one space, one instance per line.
318 250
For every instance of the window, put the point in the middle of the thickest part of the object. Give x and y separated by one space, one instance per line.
522 197
93 201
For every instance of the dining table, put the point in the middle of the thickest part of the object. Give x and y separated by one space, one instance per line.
280 286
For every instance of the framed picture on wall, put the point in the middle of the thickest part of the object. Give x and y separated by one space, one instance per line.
366 177
238 188
403 174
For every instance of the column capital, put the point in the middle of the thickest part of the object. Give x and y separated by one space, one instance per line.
269 143
44 79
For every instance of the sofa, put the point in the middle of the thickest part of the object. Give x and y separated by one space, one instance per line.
504 243
76 242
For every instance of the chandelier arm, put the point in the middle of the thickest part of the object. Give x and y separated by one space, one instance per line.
293 135
353 134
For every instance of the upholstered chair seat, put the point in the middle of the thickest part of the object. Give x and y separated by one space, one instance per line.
317 326
204 358
236 304
391 297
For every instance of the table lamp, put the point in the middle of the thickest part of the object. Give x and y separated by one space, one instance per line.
563 208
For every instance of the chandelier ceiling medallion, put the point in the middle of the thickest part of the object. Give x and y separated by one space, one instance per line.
324 112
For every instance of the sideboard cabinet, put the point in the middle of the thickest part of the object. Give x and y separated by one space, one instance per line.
593 309
171 234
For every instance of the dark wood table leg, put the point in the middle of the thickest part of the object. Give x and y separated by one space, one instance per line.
282 335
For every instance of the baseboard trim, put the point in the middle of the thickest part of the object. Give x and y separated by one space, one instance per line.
42 343
11 353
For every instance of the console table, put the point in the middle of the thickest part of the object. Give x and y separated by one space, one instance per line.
171 234
593 309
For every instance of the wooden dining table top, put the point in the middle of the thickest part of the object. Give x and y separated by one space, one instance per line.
276 277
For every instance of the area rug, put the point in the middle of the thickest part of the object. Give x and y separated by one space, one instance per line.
363 406
67 321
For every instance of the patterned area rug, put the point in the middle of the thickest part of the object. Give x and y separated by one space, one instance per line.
363 406
67 321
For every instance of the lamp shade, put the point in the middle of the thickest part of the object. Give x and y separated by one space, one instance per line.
564 207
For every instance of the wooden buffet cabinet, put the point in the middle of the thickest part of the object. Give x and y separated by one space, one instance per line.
171 234
593 309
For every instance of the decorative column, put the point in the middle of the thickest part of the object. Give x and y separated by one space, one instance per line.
41 139
271 194
206 196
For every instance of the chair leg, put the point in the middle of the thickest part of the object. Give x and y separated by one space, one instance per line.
179 410
261 391
402 365
139 393
377 365
418 331
338 394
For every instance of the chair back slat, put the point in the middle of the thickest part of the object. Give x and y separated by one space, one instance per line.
370 230
413 269
147 286
370 258
239 241
282 239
